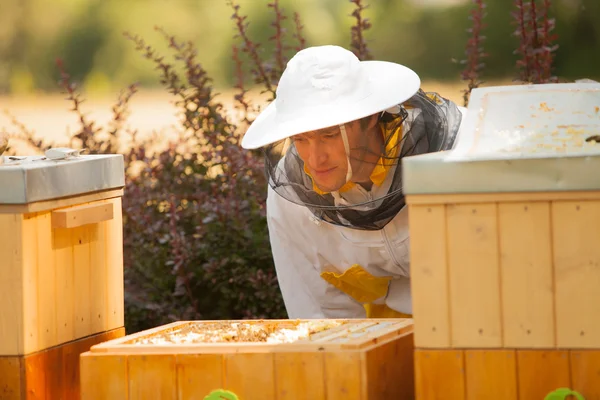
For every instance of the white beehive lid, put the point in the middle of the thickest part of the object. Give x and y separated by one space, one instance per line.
29 179
517 138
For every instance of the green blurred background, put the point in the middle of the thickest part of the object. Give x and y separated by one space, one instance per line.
425 35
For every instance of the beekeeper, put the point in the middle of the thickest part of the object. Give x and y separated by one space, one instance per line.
333 139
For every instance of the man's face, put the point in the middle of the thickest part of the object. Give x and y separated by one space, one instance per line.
325 157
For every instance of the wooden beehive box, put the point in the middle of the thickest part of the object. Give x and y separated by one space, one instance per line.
344 359
505 248
61 269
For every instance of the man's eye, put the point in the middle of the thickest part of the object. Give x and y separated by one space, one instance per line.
331 135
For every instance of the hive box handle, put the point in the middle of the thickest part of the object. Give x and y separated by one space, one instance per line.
82 215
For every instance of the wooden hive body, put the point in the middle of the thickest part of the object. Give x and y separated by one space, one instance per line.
61 283
505 269
363 359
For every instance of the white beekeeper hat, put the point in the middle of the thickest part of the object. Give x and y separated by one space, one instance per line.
324 86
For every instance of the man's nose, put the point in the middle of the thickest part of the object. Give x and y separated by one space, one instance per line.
317 153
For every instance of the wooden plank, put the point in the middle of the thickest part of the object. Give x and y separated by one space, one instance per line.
81 281
35 376
70 372
491 374
439 374
429 276
47 295
519 197
344 375
216 348
152 376
198 375
71 375
11 285
527 275
11 375
53 362
80 215
585 373
73 383
475 306
31 317
59 203
114 265
539 372
390 370
576 238
299 376
104 376
65 286
49 374
405 373
98 278
250 376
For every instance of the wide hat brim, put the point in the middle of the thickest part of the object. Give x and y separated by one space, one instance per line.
389 85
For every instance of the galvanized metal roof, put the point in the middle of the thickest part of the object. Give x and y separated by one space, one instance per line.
29 179
518 138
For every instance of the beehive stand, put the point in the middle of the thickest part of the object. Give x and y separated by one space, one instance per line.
357 359
505 248
61 270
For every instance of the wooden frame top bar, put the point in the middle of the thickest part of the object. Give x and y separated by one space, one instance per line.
354 334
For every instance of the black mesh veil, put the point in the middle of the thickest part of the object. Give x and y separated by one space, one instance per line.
423 124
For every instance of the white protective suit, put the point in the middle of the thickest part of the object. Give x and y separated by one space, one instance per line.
304 248
331 271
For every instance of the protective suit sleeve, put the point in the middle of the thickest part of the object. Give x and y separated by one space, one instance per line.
305 293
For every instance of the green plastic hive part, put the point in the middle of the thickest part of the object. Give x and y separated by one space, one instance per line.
221 395
564 394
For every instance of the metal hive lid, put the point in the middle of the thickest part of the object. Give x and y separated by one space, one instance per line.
29 179
527 121
518 138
